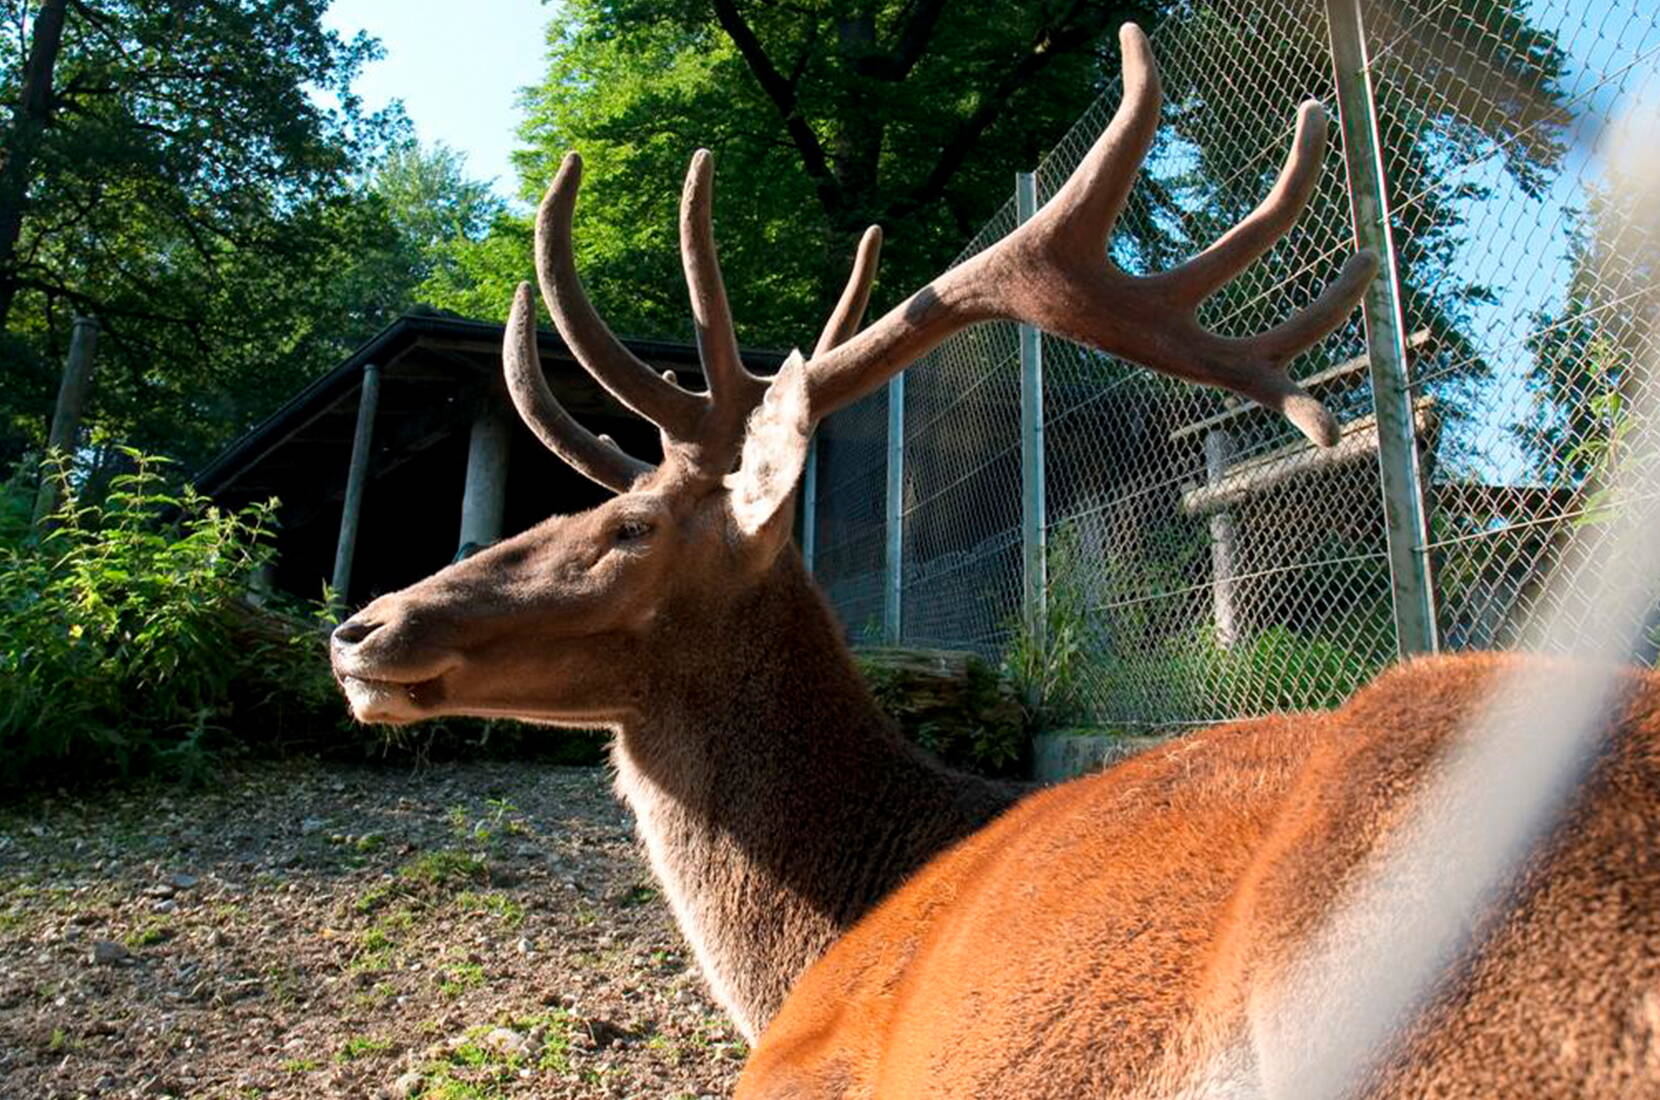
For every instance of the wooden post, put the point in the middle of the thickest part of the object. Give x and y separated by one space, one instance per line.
1223 542
484 499
356 474
66 418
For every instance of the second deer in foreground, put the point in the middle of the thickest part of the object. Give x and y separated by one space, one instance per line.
852 903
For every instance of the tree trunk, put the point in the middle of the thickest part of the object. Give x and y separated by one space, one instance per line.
21 143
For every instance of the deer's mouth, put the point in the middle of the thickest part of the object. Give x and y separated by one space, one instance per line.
392 702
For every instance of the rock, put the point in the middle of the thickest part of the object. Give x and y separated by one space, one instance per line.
504 1041
405 1086
182 881
165 905
108 952
525 946
311 825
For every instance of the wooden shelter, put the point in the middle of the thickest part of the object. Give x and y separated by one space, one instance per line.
409 453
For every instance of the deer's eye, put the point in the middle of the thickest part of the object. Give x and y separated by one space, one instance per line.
633 530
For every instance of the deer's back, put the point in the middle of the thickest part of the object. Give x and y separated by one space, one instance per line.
1108 936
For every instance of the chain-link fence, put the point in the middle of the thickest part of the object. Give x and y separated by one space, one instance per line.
1203 562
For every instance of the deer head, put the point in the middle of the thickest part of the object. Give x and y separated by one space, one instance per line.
566 622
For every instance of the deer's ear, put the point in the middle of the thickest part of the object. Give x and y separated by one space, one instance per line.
775 450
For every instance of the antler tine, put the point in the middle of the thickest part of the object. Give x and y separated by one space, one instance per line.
1234 251
1094 195
1053 272
593 456
629 380
850 308
717 343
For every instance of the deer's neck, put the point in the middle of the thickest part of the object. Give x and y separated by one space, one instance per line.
776 802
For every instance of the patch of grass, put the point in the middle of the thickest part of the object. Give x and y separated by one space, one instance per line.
460 978
299 1065
375 897
152 931
377 945
638 894
509 911
361 1046
444 868
474 1070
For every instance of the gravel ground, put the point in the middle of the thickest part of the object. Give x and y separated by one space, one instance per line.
466 931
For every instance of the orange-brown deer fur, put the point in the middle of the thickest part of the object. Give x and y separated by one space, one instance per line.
1112 937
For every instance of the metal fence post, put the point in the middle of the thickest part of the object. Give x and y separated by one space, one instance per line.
1033 536
1403 502
893 586
809 506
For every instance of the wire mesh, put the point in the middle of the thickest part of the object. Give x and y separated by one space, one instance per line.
1204 563
1541 321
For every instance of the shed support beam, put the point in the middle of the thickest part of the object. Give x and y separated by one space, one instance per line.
66 418
484 500
356 474
1224 541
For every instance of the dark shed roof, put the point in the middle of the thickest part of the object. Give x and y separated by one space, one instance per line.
436 372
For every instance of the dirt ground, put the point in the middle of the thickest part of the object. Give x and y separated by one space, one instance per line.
465 931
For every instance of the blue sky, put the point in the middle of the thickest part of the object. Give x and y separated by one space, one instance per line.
458 68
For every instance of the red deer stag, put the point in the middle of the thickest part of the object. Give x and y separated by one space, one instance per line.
888 927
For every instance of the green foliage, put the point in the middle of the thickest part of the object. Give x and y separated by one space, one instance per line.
890 113
196 185
1048 661
970 718
1192 677
122 638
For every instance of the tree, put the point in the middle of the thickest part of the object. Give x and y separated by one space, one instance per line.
824 119
187 171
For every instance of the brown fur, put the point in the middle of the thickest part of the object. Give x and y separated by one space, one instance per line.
776 802
1106 938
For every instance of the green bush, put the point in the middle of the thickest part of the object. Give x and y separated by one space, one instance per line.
954 705
125 636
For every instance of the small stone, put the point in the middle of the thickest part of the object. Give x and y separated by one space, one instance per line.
525 946
108 952
404 1086
160 890
311 825
182 881
504 1041
165 905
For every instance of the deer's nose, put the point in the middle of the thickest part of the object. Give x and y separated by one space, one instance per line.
353 631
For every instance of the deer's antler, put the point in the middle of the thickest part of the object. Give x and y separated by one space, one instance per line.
1053 272
706 429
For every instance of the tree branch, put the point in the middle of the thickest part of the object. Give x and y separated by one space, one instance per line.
1050 43
781 92
895 65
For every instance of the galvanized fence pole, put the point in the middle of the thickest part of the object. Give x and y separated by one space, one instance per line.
1034 563
893 581
809 506
1403 503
